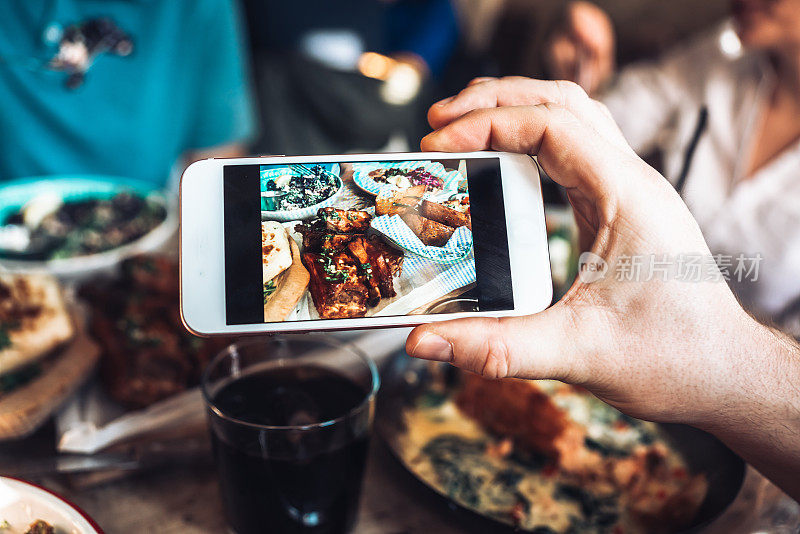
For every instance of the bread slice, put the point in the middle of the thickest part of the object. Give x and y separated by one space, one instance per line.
33 317
276 255
290 285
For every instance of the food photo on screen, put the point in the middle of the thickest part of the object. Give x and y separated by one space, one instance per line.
363 239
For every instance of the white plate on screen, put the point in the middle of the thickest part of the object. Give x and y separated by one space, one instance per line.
22 503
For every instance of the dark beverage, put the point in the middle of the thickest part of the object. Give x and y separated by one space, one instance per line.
284 480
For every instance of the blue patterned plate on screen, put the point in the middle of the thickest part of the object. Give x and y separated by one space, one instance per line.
371 177
456 249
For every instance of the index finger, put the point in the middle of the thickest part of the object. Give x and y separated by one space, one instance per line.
569 151
520 91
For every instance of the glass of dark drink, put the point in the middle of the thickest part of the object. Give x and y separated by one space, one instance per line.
290 422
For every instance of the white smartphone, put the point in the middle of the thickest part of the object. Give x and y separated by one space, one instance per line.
297 244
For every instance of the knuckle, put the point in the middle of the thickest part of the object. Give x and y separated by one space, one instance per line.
570 91
603 108
558 113
496 363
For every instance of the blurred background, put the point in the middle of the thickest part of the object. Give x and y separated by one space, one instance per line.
361 75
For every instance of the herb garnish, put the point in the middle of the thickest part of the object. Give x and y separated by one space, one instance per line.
366 268
269 289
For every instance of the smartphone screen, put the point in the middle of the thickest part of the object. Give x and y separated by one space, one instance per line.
320 241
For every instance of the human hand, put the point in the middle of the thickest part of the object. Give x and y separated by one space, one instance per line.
659 349
582 50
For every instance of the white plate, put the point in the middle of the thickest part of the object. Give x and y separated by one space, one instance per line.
309 212
22 503
80 268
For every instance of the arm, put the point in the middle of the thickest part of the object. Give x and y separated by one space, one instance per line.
759 417
661 349
222 98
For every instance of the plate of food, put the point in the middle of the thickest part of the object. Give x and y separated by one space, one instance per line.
297 192
546 457
45 354
362 256
375 176
351 270
146 353
76 226
438 230
26 508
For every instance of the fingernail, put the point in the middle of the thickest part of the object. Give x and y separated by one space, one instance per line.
433 347
445 101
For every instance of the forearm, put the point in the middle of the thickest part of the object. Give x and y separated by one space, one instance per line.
759 418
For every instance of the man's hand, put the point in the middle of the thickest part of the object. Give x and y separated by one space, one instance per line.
582 50
644 346
656 348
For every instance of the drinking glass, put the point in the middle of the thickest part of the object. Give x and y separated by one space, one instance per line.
290 421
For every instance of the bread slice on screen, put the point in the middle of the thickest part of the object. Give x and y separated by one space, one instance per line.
33 319
276 254
285 277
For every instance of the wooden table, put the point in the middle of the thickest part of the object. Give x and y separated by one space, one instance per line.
185 500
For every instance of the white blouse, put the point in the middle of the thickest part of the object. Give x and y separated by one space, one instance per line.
657 105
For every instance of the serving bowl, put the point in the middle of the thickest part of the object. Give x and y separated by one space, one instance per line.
72 188
299 214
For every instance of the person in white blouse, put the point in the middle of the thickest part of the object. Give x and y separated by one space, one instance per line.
724 109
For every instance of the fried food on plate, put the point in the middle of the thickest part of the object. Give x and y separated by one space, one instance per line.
431 233
33 319
397 202
567 425
444 215
350 271
432 222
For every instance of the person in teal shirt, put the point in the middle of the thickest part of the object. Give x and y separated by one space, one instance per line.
130 88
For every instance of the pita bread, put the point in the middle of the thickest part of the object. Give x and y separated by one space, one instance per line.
290 285
276 255
34 317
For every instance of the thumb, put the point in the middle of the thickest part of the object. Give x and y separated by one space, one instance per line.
535 346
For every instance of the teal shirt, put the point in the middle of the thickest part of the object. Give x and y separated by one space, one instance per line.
184 87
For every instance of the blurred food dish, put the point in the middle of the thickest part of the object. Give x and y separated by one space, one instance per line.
33 319
297 192
29 509
45 354
77 226
543 456
147 354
